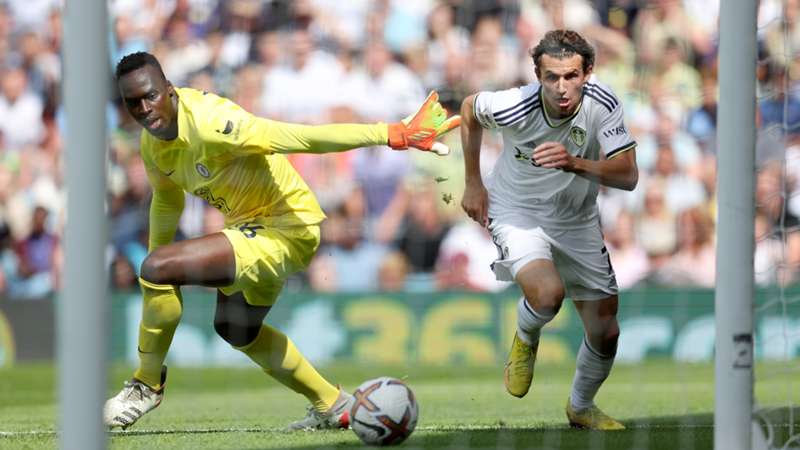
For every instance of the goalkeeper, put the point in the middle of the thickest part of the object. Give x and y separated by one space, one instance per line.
208 146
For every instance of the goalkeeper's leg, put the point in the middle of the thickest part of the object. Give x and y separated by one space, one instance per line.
241 325
161 312
207 261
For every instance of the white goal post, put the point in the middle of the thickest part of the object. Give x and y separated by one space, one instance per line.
733 304
83 310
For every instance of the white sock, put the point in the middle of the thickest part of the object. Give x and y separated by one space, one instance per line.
592 369
529 322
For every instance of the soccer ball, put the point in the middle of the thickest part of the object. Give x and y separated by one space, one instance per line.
384 411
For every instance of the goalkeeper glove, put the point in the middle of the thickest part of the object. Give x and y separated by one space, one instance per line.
421 129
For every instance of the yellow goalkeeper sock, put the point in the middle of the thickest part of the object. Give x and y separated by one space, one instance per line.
277 355
161 312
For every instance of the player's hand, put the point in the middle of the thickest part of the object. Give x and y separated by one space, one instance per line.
553 155
421 129
476 202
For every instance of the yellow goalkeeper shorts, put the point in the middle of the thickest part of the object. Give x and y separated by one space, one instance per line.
266 256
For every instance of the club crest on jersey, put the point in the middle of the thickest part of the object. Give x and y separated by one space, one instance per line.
202 170
577 135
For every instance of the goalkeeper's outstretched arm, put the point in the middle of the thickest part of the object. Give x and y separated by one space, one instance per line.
419 130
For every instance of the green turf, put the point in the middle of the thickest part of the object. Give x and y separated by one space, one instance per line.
665 405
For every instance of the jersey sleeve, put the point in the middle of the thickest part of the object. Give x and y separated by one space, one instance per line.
483 109
612 135
504 108
166 205
294 138
246 133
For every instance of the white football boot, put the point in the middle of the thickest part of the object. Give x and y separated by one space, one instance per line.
338 417
133 401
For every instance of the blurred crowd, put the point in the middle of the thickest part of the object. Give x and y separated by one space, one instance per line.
395 223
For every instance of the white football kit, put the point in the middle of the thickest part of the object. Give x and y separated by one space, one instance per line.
540 213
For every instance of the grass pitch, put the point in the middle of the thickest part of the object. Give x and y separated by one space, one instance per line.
664 405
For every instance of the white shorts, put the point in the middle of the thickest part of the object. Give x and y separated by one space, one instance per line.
580 256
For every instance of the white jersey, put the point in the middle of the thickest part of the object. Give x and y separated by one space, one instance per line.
551 197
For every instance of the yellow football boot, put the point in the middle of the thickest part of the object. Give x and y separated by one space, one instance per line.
518 373
591 418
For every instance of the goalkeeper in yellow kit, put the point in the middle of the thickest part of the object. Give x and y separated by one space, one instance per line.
208 146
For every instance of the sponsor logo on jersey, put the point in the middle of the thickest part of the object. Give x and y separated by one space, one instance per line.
577 135
217 202
202 170
616 131
521 154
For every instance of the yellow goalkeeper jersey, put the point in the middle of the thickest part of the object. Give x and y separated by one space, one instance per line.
232 159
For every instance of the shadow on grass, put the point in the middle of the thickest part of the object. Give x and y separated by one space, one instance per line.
687 432
651 433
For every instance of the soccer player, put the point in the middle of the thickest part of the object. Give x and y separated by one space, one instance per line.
563 137
208 146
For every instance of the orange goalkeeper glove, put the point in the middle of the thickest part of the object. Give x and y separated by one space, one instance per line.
421 129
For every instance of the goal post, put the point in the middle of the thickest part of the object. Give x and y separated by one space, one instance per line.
734 292
83 311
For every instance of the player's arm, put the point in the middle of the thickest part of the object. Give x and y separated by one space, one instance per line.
618 171
165 208
252 134
476 200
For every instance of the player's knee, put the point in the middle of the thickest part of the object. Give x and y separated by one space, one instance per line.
547 299
605 337
235 334
611 336
155 269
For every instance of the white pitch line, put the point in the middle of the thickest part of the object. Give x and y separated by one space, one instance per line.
446 428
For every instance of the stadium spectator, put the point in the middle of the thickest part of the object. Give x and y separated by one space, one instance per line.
664 21
768 255
308 75
630 261
780 108
770 182
247 87
492 61
695 260
123 277
655 226
20 111
355 259
38 260
343 24
393 273
679 80
682 190
461 263
185 53
380 175
446 42
8 261
423 229
382 89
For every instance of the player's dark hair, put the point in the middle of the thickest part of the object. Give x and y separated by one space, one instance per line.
134 61
563 44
